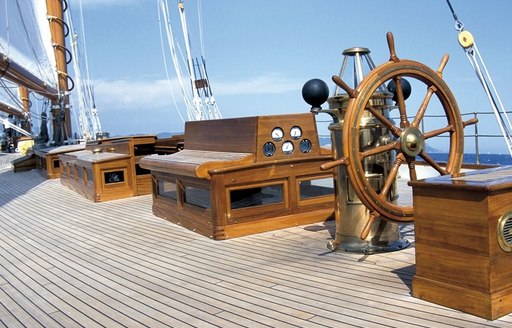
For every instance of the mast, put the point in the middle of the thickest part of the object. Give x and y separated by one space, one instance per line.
25 102
60 107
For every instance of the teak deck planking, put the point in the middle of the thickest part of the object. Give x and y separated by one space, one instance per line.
65 261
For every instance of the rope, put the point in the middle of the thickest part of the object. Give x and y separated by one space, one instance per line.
174 56
468 43
458 24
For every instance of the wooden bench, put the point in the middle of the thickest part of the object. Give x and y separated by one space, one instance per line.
109 168
245 175
47 159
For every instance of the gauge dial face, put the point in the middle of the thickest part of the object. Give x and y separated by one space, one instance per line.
277 134
287 147
305 146
269 149
296 132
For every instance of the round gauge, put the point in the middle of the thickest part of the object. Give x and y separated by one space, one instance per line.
305 146
277 134
269 149
296 132
287 147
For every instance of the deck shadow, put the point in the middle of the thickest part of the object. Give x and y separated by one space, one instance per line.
406 274
329 225
15 185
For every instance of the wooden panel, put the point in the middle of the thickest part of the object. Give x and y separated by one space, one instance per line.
458 260
143 184
224 135
196 219
306 122
274 223
105 191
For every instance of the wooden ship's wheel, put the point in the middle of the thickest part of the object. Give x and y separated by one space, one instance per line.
407 145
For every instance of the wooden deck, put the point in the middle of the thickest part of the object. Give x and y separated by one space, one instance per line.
66 261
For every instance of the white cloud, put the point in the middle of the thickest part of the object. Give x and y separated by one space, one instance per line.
129 95
107 2
264 84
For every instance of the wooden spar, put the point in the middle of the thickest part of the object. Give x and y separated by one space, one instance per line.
15 73
10 110
55 19
25 101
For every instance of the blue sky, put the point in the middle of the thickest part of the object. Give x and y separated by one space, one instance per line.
260 53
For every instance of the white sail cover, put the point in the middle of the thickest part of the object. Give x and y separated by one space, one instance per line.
25 37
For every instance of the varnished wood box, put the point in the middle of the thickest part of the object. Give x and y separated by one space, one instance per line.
136 147
98 176
459 260
47 159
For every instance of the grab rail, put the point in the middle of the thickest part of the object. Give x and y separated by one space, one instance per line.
475 135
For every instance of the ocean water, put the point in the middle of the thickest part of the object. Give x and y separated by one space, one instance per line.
491 159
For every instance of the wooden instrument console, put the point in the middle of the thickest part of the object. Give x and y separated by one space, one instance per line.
463 232
244 175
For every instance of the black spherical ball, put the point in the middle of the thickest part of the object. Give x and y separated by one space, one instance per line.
406 89
315 92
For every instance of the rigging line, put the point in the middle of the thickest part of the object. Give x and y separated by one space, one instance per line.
191 112
198 115
200 22
11 95
84 41
459 26
492 85
501 123
165 61
213 102
179 75
468 43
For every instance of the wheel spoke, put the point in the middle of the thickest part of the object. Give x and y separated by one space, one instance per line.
432 163
384 120
392 175
435 133
404 123
412 169
381 149
423 107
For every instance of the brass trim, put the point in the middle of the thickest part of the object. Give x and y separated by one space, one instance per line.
505 231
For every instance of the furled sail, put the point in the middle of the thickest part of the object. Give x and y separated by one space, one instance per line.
26 54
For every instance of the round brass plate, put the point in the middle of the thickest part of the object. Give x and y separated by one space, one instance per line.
505 231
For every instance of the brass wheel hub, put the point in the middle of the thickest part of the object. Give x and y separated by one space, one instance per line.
412 141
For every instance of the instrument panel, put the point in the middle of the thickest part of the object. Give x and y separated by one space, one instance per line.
287 136
269 138
287 146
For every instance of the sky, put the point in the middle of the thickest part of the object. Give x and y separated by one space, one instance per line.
260 53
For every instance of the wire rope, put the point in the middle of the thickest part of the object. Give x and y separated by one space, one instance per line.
468 43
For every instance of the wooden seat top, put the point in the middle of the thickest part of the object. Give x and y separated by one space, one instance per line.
196 163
